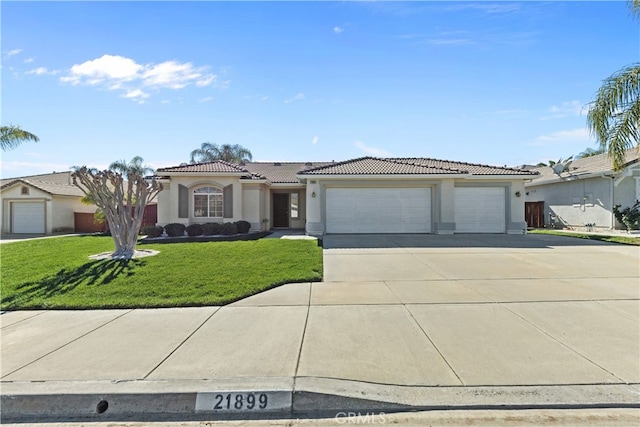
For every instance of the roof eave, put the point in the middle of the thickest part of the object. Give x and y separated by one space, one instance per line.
238 174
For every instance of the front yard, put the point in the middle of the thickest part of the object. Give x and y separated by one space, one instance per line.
57 274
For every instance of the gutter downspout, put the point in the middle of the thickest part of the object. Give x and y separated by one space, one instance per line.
611 186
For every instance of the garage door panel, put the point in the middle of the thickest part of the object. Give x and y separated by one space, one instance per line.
480 210
28 217
378 210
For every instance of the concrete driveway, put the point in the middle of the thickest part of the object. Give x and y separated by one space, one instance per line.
415 321
499 309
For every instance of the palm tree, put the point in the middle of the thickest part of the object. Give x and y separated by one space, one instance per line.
229 153
590 152
12 136
614 114
135 166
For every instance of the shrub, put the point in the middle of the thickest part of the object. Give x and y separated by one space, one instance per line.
194 230
229 228
153 230
211 228
630 217
175 229
243 226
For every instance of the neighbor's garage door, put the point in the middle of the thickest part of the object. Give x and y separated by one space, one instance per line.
480 209
27 217
378 210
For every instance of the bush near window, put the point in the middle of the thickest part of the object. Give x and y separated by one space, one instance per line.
153 230
229 228
243 226
175 229
194 230
211 228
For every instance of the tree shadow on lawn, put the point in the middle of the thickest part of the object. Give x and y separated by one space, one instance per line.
100 272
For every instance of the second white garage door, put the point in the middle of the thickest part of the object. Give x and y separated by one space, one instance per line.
480 209
27 217
378 210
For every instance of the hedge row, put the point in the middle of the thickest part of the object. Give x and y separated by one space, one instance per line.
192 230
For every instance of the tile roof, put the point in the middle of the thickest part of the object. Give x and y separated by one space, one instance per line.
280 172
58 184
216 166
410 166
276 172
288 172
586 166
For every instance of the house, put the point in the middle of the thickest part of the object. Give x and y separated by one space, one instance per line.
363 195
582 193
41 204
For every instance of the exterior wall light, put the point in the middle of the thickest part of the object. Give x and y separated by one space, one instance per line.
313 194
518 194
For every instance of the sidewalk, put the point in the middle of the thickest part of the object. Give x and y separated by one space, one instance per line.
394 328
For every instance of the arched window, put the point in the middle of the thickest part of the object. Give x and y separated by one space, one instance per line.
207 202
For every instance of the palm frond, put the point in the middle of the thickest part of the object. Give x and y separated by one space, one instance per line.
11 136
614 115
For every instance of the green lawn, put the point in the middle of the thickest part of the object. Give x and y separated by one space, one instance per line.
601 237
56 273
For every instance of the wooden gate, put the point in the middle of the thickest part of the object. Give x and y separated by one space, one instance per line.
534 214
84 222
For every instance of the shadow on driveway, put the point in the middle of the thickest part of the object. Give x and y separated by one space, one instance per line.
359 241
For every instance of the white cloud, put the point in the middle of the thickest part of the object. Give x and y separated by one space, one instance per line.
106 68
136 95
373 151
298 97
206 99
12 52
40 71
570 136
114 72
315 139
338 30
264 98
29 60
565 109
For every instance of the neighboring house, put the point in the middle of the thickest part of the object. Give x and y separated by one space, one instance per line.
40 204
583 194
364 195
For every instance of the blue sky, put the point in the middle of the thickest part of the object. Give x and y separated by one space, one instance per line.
501 83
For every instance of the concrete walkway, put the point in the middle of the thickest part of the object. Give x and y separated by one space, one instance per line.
401 322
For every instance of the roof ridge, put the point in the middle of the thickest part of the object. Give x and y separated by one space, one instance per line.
484 165
344 162
397 160
224 162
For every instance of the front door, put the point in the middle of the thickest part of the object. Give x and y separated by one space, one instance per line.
281 209
534 214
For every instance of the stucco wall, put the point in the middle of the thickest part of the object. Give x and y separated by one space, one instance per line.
442 203
14 194
58 209
63 210
576 203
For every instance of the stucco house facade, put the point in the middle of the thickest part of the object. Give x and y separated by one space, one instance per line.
585 192
363 195
40 204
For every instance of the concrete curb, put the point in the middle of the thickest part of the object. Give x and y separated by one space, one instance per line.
264 398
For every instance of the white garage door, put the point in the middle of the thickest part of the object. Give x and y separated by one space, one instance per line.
27 217
480 210
378 210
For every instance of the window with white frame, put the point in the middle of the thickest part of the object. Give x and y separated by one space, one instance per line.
207 202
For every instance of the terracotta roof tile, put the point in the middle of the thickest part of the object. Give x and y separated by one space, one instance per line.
216 166
410 166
